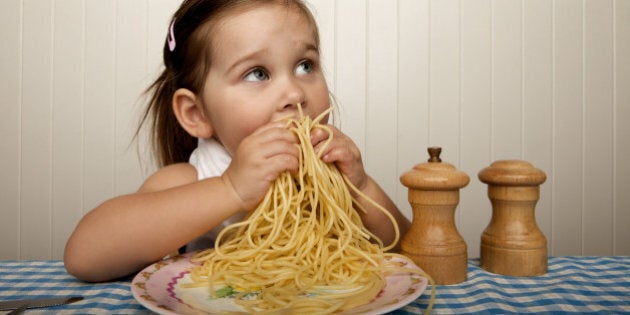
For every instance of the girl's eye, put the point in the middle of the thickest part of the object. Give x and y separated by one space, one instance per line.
304 67
256 75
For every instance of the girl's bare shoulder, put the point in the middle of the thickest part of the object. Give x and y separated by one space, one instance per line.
170 176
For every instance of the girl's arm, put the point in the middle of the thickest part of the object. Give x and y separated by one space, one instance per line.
172 208
126 233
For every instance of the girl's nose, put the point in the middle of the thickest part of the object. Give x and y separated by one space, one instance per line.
293 94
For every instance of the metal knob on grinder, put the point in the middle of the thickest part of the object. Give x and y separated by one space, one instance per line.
433 241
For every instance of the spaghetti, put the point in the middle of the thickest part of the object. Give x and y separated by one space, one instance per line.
304 248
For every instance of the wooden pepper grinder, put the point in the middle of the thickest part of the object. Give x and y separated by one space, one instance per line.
433 241
512 244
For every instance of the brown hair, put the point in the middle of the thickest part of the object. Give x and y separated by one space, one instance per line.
187 66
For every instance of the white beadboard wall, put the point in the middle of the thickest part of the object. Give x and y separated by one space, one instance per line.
547 81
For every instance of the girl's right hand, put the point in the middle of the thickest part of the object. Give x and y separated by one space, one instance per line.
258 161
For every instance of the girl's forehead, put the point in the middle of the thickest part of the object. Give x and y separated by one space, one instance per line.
249 20
282 10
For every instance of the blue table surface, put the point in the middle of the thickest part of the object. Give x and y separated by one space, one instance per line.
596 285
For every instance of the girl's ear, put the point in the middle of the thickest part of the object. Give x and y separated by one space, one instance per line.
189 112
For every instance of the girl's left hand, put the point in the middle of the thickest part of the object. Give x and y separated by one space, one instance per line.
343 152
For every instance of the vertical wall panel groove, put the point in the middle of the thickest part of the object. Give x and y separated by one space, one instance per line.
115 92
10 89
598 132
622 128
381 139
492 78
413 90
567 220
51 127
552 171
537 99
582 145
351 68
68 98
429 67
35 129
507 51
98 176
476 96
614 125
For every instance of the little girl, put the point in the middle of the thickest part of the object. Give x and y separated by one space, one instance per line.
233 70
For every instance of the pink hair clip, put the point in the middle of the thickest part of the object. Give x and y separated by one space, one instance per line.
171 37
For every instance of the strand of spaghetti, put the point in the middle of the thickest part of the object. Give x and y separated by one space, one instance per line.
389 215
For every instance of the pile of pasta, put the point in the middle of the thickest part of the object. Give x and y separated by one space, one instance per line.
304 248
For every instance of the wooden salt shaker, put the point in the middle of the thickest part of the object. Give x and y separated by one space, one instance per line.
512 244
433 241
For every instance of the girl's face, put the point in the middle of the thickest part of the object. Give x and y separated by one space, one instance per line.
264 62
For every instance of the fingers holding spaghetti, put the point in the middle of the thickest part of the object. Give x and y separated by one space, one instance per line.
259 159
333 146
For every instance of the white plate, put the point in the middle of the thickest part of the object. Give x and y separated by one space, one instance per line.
158 288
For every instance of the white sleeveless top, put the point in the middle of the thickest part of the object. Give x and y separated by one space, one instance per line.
211 160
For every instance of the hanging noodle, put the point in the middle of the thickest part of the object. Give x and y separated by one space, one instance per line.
304 248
